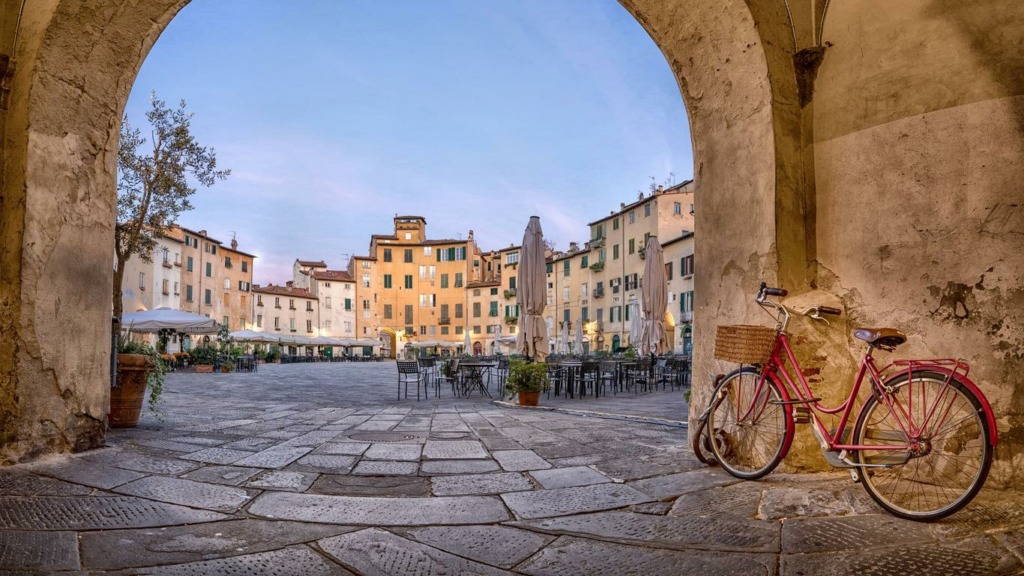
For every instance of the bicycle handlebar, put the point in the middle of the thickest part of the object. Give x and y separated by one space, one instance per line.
828 310
769 291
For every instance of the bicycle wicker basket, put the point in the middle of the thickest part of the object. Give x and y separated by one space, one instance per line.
744 344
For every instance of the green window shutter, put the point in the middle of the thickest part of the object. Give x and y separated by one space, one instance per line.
348 303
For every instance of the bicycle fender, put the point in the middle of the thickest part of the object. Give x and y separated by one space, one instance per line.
986 408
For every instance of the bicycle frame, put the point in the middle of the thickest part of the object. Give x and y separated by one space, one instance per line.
798 392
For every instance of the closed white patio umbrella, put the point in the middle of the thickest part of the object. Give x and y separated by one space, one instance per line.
654 300
531 293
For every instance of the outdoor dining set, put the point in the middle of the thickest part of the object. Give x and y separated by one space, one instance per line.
570 376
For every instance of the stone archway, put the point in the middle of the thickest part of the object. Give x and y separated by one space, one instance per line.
812 134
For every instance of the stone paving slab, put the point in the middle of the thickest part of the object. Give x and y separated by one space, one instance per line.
140 462
94 513
286 562
119 549
815 501
567 477
576 556
14 482
978 556
283 480
326 463
38 550
678 484
499 546
393 486
375 552
188 493
275 457
227 475
410 452
480 484
379 511
436 467
79 471
833 534
385 468
519 460
454 450
343 448
218 455
727 534
563 501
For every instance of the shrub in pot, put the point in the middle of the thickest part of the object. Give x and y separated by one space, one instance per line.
203 357
138 365
527 380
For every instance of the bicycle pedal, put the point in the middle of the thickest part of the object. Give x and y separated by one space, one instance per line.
801 415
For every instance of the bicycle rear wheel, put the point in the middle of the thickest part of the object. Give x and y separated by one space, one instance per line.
950 461
748 427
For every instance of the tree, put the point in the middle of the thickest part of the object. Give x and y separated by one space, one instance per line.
153 186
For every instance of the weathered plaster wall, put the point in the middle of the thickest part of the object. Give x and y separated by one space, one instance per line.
76 62
919 141
720 61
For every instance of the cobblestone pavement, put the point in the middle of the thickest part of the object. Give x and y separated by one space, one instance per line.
317 469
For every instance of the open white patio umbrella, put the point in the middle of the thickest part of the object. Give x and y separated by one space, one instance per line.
654 300
253 336
531 293
157 319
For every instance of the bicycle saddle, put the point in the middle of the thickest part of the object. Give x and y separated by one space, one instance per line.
886 338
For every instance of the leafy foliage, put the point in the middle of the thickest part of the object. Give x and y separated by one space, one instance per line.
158 371
527 377
204 354
153 186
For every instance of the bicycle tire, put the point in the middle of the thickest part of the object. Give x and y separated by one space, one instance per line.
754 447
700 442
956 457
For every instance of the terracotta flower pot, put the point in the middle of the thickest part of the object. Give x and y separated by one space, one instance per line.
126 397
204 368
529 398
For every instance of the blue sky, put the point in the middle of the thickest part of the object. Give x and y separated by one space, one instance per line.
336 115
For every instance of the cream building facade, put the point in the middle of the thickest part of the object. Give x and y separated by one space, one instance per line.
679 261
286 311
216 279
155 284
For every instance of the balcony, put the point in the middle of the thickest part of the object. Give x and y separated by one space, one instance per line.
686 316
444 320
511 320
596 242
167 264
597 266
598 293
510 293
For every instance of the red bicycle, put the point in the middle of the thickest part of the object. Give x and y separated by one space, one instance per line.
921 444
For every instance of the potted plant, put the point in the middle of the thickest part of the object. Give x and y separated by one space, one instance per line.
138 365
203 358
527 380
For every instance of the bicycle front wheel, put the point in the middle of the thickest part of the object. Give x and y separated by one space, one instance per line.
947 450
748 426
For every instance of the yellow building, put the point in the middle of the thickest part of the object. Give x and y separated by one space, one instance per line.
411 288
679 274
216 279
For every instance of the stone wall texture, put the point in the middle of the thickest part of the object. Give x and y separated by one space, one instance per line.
863 154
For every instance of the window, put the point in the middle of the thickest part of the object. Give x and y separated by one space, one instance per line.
227 261
277 301
309 325
366 280
686 302
668 271
177 290
291 303
427 300
626 312
277 323
423 272
566 294
348 327
433 272
245 266
512 282
458 330
327 302
259 320
408 314
188 264
493 312
565 268
512 258
494 291
584 317
166 254
388 311
209 269
451 254
227 283
632 246
686 266
458 310
583 291
142 280
600 314
444 280
366 265
444 330
348 303
291 324
512 311
309 305
632 216
615 224
208 297
366 304
408 254
244 286
615 252
476 309
408 235
188 293
677 208
632 283
476 292
428 250
408 281
583 262
327 325
423 330
166 286
458 279
387 254
387 280
615 314
476 329
647 210
565 315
